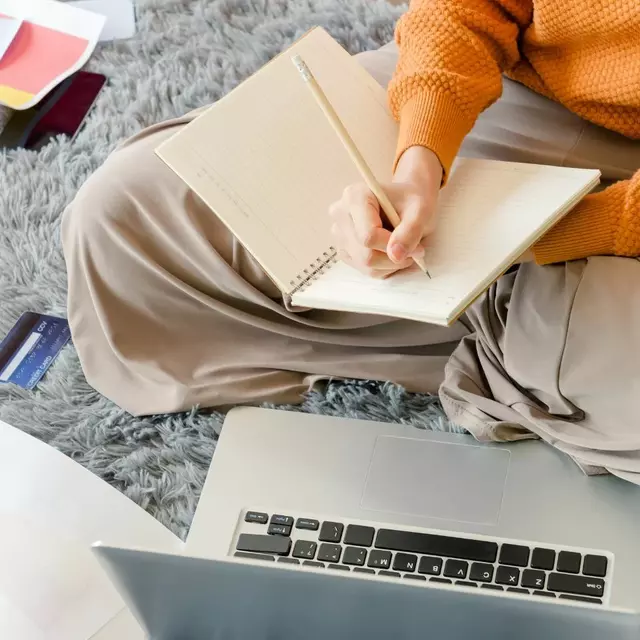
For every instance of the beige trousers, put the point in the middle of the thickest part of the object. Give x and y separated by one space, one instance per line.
169 311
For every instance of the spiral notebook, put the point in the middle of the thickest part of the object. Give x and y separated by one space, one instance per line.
267 162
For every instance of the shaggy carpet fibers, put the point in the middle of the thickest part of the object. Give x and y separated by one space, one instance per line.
186 53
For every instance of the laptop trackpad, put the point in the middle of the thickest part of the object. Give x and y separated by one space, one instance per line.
430 479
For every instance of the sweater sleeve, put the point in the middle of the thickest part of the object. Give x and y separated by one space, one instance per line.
452 55
604 223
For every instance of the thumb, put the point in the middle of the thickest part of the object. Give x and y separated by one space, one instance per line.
406 237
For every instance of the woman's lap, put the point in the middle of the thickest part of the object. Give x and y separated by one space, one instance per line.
168 310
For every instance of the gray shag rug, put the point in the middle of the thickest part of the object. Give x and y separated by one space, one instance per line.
186 53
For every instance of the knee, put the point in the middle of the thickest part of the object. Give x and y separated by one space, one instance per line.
107 199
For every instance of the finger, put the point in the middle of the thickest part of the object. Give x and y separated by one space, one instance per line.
407 236
342 228
377 274
365 213
379 261
368 271
338 239
377 239
364 258
368 260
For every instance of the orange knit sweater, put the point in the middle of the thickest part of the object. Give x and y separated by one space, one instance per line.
581 53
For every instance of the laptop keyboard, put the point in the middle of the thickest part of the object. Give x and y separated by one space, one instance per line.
500 565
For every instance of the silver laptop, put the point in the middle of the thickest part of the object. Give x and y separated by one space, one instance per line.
317 527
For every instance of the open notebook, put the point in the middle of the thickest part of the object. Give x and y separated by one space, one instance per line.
268 163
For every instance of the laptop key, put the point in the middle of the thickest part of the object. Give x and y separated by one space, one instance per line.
413 576
508 575
534 579
595 566
288 560
354 555
516 590
390 574
514 554
339 567
363 570
495 587
256 516
329 552
277 545
331 532
359 536
569 561
546 594
253 556
440 580
431 544
564 596
466 583
287 521
543 559
308 524
279 530
430 565
456 569
304 549
576 585
379 559
311 563
405 562
481 572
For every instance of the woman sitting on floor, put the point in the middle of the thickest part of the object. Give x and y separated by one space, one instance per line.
168 310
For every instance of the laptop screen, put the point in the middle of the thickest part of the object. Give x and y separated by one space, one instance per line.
179 597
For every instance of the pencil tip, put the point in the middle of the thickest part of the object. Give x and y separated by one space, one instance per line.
423 267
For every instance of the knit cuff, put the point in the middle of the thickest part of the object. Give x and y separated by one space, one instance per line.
433 120
588 230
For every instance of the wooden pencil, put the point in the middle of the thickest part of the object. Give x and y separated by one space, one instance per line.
350 146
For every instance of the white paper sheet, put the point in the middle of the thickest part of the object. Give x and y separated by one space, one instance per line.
8 29
56 15
51 511
120 15
28 72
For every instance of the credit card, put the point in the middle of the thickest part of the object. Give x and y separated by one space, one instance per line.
31 347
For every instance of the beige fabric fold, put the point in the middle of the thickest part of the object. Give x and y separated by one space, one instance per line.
169 311
555 353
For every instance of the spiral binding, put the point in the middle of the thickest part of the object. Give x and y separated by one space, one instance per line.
314 270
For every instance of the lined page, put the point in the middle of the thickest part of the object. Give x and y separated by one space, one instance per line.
489 213
267 162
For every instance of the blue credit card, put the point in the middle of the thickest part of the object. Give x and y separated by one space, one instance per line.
31 347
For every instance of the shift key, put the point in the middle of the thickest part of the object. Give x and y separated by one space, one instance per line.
278 545
578 585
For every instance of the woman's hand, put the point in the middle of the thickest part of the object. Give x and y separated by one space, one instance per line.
357 220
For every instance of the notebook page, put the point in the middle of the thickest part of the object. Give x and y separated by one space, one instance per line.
268 163
488 214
